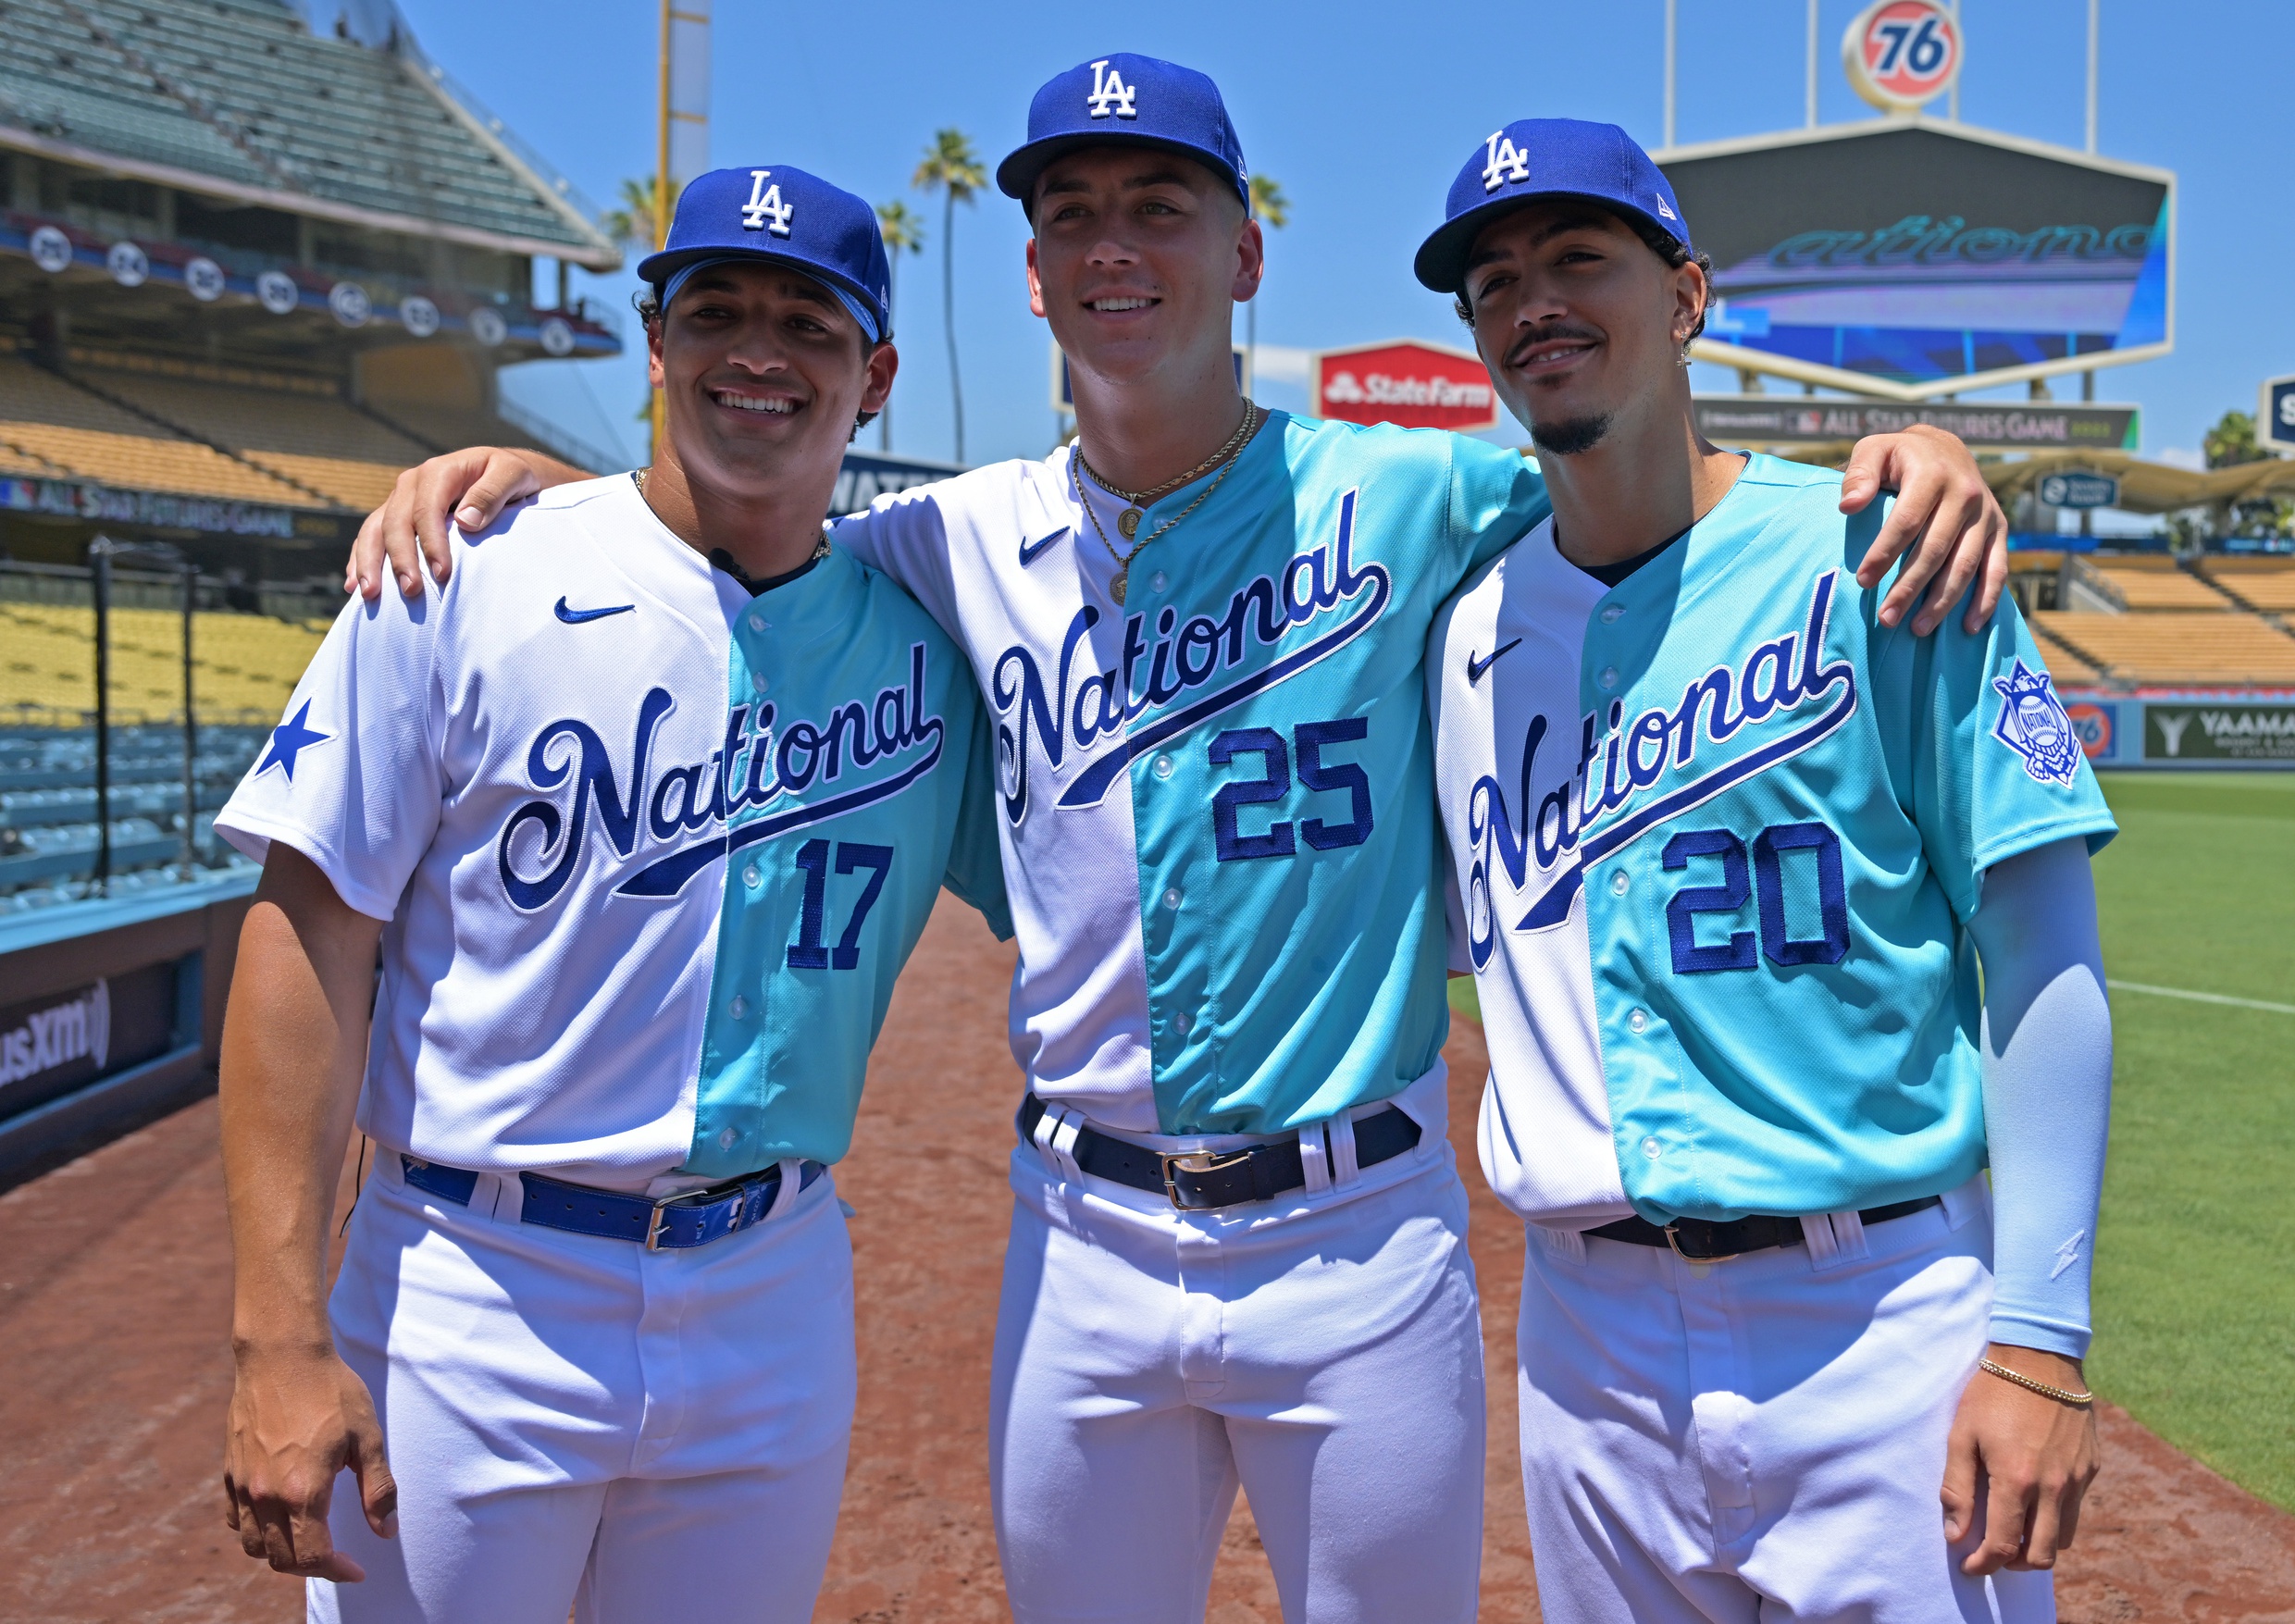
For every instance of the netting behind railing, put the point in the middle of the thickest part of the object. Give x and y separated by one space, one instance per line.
249 645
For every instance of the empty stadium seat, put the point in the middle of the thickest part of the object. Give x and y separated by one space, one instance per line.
50 418
2169 648
317 441
2148 584
244 667
2266 583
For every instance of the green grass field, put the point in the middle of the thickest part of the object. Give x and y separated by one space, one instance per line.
2195 1259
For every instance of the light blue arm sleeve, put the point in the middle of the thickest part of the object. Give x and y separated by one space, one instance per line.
2047 1061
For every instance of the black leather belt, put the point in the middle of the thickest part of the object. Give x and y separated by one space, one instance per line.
671 1225
1196 1180
1701 1241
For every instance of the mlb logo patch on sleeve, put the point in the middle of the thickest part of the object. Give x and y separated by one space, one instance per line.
2032 724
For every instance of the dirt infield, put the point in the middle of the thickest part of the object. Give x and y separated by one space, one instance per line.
114 1301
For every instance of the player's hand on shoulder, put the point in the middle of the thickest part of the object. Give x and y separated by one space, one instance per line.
2017 1465
469 488
1947 524
298 1418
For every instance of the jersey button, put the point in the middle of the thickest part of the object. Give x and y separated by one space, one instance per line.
756 623
1608 679
749 875
757 681
1171 897
1157 582
740 1007
1161 767
1638 1022
1610 611
1618 884
1181 1022
1652 1148
726 1139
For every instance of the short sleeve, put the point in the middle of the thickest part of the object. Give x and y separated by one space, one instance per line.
903 535
976 872
1497 496
1996 766
352 778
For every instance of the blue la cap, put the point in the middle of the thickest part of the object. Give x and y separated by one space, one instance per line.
1122 99
783 214
1531 159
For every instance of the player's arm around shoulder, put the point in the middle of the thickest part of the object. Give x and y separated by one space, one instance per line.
294 1046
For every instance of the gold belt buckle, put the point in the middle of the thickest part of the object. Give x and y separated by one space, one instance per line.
1676 1245
1197 1161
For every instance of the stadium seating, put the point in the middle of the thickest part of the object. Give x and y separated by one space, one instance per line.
2178 648
47 417
2067 665
2262 583
244 667
315 440
2145 584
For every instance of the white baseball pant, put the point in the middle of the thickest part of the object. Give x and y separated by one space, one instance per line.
1760 1440
1325 1350
577 1423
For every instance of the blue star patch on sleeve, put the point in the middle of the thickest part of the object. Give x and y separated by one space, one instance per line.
291 738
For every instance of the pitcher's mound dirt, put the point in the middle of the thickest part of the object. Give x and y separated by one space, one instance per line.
115 1304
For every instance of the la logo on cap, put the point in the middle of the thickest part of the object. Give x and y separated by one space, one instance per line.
765 211
1506 163
1109 94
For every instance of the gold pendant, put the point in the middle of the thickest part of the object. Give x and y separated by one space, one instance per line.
1115 587
1128 522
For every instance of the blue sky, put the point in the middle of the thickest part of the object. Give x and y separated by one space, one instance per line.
1364 112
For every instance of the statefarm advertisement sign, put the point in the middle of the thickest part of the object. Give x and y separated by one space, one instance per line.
1406 383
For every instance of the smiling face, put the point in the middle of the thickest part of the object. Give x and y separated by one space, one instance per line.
764 373
1138 259
1579 320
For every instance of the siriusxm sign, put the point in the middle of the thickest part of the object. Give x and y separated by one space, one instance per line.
2274 414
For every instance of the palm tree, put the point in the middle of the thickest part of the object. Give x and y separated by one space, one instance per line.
637 224
1272 210
904 228
951 167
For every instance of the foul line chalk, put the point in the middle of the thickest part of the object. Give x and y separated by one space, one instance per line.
2199 998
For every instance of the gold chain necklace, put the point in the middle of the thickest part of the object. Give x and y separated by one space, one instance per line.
1252 417
1129 520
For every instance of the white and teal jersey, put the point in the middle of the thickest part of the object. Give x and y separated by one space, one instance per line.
648 851
1717 835
1216 797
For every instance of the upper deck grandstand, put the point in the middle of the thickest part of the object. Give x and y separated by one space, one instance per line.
256 256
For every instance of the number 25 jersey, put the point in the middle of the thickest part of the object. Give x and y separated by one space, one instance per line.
1715 837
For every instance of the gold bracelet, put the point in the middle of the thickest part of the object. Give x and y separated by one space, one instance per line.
2061 1395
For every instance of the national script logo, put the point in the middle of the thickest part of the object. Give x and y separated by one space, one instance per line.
700 811
1322 594
1752 716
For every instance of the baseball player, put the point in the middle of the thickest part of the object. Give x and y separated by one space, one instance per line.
1237 1249
643 811
1726 851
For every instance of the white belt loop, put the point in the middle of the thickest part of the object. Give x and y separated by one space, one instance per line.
1055 1139
500 1196
1967 1201
792 1185
1569 1244
1346 1172
1314 1159
1834 1238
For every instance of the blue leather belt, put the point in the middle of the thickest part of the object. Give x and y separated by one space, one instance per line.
671 1225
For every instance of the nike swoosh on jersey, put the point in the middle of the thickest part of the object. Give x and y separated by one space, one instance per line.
1474 668
1030 553
576 617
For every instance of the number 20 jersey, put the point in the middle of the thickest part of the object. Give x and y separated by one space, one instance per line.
1716 835
1217 805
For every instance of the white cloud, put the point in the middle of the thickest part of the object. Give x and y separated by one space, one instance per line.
2176 456
1282 364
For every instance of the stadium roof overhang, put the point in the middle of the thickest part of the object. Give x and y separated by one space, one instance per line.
598 254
